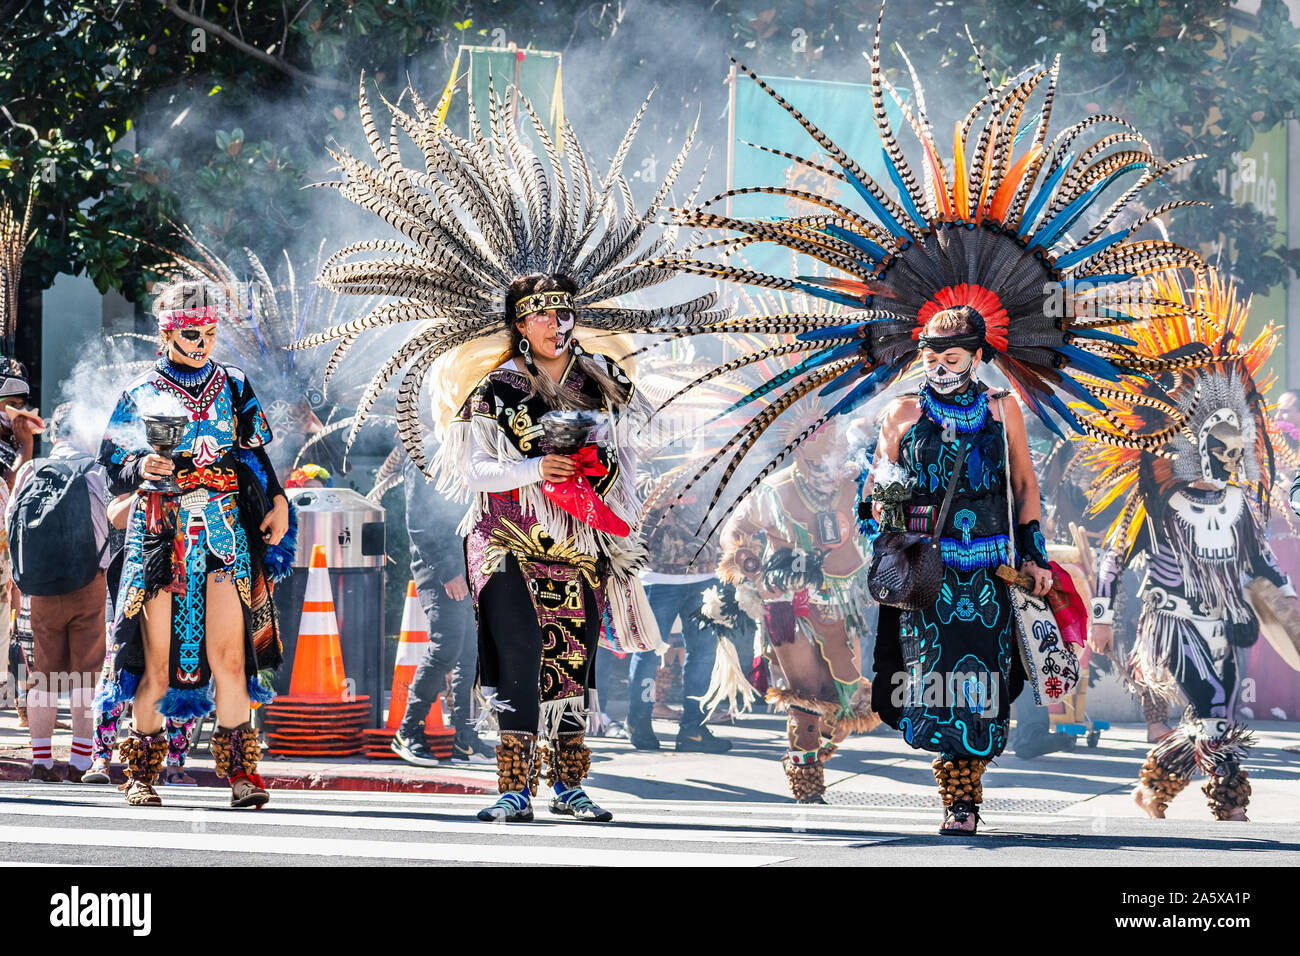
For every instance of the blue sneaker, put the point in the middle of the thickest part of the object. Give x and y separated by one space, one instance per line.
575 803
511 807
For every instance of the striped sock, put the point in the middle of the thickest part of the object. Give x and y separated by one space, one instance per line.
42 752
80 759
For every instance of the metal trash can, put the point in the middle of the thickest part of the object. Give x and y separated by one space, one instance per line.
352 530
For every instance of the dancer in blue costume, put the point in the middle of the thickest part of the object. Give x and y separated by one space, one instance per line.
1039 241
946 674
194 604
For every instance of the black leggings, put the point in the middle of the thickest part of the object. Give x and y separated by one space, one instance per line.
510 648
1211 694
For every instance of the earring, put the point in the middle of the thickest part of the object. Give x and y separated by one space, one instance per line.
526 351
576 347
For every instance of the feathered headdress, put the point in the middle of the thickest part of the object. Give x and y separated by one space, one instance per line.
1155 433
478 214
268 315
995 229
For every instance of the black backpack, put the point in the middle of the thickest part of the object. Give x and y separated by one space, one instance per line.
51 534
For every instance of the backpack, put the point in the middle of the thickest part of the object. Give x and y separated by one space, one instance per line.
51 532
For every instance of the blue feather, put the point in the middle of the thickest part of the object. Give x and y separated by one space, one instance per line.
184 703
258 692
868 387
1106 278
1064 411
829 295
841 380
280 557
793 372
1027 128
838 332
872 249
1088 362
1088 251
1064 219
1103 335
1040 197
888 221
903 195
1078 391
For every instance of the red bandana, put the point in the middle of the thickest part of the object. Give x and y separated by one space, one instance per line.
576 496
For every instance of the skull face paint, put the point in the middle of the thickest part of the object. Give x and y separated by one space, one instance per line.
537 329
821 459
945 378
191 346
564 323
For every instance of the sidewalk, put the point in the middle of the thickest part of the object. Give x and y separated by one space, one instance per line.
354 773
873 770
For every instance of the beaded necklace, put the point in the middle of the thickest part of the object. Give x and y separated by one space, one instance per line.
188 378
968 414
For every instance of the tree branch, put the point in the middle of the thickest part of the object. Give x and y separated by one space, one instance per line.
273 61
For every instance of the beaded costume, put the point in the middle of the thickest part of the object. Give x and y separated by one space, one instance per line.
809 571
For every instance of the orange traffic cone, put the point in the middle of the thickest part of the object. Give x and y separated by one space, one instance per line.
411 643
318 661
317 718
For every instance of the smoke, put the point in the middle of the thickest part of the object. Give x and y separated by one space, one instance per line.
98 381
678 51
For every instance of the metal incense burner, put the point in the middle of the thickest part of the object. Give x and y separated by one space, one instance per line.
568 430
164 432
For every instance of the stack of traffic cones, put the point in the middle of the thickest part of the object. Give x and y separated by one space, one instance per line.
410 648
319 717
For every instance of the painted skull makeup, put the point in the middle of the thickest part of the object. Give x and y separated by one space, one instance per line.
564 323
945 380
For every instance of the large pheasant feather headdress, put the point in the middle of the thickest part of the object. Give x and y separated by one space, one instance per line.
1154 432
1000 226
477 214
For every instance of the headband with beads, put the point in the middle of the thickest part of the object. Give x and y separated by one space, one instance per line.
542 302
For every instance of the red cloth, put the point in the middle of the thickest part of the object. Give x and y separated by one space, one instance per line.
576 496
1068 608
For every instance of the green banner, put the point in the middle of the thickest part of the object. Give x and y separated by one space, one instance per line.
534 74
841 110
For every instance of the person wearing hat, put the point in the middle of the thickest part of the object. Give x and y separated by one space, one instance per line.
19 426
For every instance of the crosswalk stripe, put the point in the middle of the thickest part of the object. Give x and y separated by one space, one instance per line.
652 828
264 844
778 822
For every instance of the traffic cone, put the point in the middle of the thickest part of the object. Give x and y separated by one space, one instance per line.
317 718
318 660
411 643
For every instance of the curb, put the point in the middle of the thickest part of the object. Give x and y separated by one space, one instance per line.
18 770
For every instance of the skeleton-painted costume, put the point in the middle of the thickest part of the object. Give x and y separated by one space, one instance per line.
810 573
478 215
174 542
1000 229
1203 421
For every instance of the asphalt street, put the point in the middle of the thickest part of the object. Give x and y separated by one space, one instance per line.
691 810
91 826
